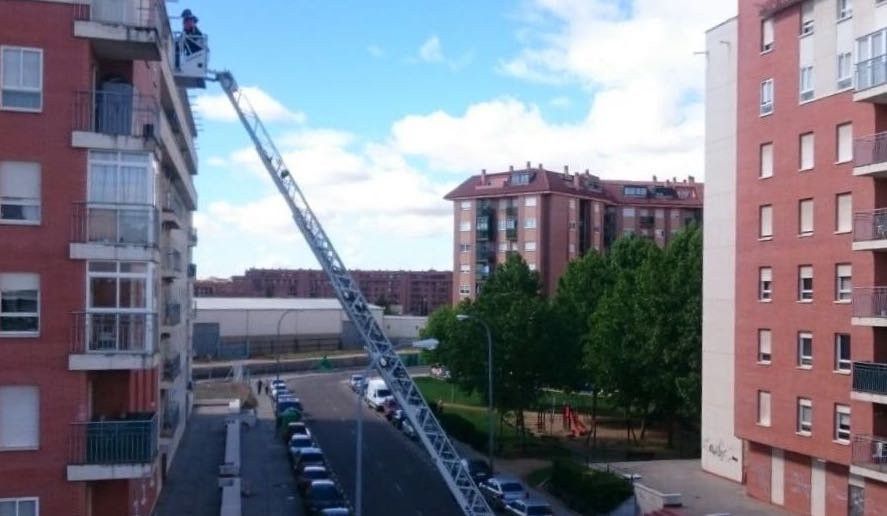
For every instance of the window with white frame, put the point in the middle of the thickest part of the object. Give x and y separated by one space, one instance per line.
530 200
806 83
19 192
119 286
19 304
767 97
21 78
465 205
19 506
572 204
464 290
806 151
805 283
465 267
843 213
805 349
869 51
572 248
120 178
845 70
502 224
765 221
843 282
842 423
763 408
766 169
503 246
765 284
805 216
464 248
805 416
767 35
530 223
842 353
764 346
845 9
19 418
529 246
845 143
807 18
628 212
465 226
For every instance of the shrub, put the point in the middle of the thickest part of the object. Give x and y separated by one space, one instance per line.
462 429
587 491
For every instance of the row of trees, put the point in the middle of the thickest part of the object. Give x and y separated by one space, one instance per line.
626 324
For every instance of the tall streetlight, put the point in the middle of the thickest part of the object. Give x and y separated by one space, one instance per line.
466 317
277 342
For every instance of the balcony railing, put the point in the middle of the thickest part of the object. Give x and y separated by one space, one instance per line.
192 270
172 315
192 237
870 377
116 113
112 333
870 150
870 302
485 251
115 224
171 418
130 440
870 225
870 453
172 262
871 73
144 14
172 367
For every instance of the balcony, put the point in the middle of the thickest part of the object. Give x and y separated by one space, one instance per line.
171 265
869 457
870 382
172 367
112 341
172 314
113 231
173 210
870 230
127 30
192 270
113 449
171 418
114 119
870 155
484 228
871 80
192 237
869 306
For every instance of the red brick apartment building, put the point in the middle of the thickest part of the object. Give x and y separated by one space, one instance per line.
795 308
96 163
410 292
551 218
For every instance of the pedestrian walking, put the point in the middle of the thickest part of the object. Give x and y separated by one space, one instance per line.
258 386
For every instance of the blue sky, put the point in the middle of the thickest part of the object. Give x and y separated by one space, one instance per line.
381 110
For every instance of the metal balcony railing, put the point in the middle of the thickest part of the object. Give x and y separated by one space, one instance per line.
115 113
115 224
171 418
871 72
129 440
142 14
192 270
870 225
172 367
870 377
870 302
869 452
172 261
511 211
869 150
172 315
111 333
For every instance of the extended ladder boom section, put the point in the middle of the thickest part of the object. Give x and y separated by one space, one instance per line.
382 353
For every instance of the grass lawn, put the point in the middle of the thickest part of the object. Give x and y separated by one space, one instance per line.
538 476
434 390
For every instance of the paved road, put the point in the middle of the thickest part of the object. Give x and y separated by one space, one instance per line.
398 478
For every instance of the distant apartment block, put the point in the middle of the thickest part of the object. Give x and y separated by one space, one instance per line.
407 292
551 218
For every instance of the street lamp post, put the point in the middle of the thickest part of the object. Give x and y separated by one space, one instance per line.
277 342
465 317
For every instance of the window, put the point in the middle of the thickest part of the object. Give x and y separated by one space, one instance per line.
529 246
842 353
766 160
767 97
764 346
806 154
842 423
765 222
843 213
869 51
501 224
530 223
464 248
572 204
520 178
807 18
466 205
465 226
464 290
634 191
805 216
503 246
806 87
530 201
19 304
843 282
763 408
572 248
19 192
120 177
767 35
845 9
805 349
765 283
19 507
845 143
805 283
628 212
118 286
845 74
805 416
21 79
465 267
19 418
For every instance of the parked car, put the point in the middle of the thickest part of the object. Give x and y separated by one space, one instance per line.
336 511
286 403
299 443
501 490
278 391
356 382
389 408
322 494
440 372
308 457
479 469
377 393
296 428
531 507
408 430
310 474
278 381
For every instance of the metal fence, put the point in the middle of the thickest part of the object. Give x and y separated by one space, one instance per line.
115 224
871 149
871 72
115 113
113 333
870 225
130 440
870 302
870 377
145 14
870 452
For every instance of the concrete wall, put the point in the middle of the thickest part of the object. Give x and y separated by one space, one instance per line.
246 322
403 327
721 450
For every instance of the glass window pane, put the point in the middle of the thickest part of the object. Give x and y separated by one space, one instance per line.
21 99
11 67
31 69
103 293
18 301
132 293
18 324
102 183
134 226
103 266
133 267
133 185
7 508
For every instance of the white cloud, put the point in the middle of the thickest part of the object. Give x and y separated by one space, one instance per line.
431 51
218 107
375 51
561 102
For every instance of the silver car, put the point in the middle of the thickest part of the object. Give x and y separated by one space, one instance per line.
502 490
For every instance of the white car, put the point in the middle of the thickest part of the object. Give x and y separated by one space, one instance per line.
502 490
377 393
531 507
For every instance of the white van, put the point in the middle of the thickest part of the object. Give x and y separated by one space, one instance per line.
377 393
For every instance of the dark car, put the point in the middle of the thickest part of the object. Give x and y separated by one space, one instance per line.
500 491
389 408
336 511
295 428
322 494
308 457
288 403
479 469
298 444
529 507
310 474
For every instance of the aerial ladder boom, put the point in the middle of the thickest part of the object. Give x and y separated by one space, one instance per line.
381 352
